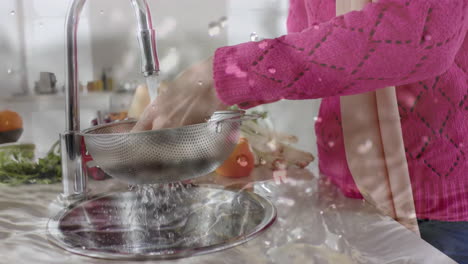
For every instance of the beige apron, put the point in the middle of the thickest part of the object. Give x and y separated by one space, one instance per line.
374 146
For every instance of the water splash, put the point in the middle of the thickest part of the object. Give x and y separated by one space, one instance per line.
12 12
155 204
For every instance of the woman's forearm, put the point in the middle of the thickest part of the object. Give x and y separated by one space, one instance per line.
393 42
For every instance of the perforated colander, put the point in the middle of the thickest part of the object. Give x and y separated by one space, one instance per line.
166 155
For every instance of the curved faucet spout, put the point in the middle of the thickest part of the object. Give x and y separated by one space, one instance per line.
146 38
148 49
74 179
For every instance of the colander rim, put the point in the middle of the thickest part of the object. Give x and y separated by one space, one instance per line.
87 132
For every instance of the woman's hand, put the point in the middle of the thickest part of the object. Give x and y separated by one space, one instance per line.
189 99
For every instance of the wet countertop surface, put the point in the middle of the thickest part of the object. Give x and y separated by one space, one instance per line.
315 224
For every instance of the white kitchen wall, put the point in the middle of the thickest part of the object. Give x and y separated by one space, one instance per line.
182 33
44 30
32 41
266 18
12 68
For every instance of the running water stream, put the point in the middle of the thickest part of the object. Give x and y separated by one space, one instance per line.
153 82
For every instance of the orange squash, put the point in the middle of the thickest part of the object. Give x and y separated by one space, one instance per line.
10 120
240 163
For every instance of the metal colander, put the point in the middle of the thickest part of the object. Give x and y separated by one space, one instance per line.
166 155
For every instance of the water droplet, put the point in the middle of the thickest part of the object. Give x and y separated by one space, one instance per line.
272 70
272 145
263 44
267 243
319 79
308 190
333 206
219 128
254 36
101 12
331 144
316 26
280 164
223 21
340 236
214 29
263 161
242 160
9 71
297 233
365 147
12 12
427 37
321 212
318 119
200 83
286 201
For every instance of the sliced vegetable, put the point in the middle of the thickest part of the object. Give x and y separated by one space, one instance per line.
240 163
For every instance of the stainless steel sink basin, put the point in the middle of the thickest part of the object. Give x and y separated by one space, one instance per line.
189 221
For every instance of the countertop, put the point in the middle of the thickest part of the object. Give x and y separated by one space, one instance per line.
315 224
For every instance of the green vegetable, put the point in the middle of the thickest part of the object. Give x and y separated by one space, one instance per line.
17 166
262 115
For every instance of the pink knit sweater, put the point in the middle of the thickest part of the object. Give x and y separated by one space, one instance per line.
417 45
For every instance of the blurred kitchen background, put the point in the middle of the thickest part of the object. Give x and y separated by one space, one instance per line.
32 56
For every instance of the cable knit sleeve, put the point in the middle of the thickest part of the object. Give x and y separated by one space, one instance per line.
392 42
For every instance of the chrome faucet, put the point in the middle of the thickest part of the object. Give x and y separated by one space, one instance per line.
74 176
